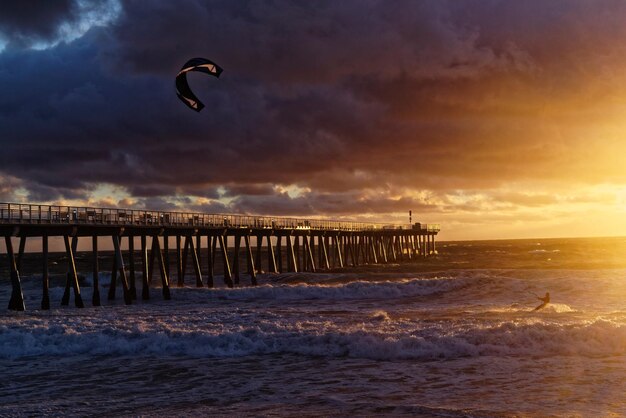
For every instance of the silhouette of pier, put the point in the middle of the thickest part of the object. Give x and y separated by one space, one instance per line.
286 244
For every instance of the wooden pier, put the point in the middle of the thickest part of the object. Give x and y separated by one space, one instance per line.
289 244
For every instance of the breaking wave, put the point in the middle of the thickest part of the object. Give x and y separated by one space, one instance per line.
352 290
598 338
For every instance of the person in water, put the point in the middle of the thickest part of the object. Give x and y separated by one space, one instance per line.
545 300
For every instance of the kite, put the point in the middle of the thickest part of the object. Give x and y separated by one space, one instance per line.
183 91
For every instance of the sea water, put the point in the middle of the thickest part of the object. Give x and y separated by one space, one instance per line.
453 335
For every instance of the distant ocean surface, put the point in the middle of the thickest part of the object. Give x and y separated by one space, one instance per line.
451 336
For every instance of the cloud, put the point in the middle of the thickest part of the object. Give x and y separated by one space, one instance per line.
36 24
31 20
349 100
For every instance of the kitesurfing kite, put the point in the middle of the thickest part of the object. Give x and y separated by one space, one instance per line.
183 91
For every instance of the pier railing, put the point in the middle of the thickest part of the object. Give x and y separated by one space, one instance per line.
21 213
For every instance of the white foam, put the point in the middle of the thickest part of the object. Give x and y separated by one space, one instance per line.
380 316
169 336
352 290
544 251
518 308
558 308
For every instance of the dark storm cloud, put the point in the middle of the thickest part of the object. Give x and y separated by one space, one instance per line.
42 193
39 24
319 204
249 189
331 96
26 21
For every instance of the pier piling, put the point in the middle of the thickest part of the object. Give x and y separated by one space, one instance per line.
145 281
45 298
71 249
95 298
131 267
16 303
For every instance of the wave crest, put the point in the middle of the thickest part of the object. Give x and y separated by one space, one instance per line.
351 290
599 338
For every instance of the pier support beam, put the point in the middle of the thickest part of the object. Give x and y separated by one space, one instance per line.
363 249
279 252
391 249
45 298
409 247
211 243
375 257
196 262
236 259
271 258
112 285
309 252
131 267
166 253
65 300
179 263
122 271
227 275
78 300
151 258
338 250
16 303
145 279
20 253
324 242
250 259
95 296
292 264
302 261
296 253
259 244
165 282
318 248
350 240
199 249
184 260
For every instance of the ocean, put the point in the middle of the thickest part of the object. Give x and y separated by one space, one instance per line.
454 335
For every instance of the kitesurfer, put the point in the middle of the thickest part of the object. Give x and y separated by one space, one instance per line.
545 300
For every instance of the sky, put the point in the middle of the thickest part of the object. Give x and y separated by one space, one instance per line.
494 119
